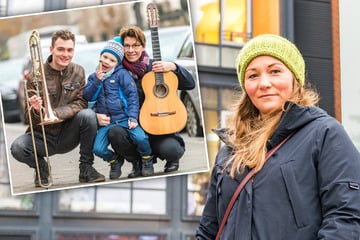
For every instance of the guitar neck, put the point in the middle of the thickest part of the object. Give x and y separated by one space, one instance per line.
159 79
155 43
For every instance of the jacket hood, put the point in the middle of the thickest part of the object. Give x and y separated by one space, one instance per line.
292 119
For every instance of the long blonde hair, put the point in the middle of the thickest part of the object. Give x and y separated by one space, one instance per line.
251 132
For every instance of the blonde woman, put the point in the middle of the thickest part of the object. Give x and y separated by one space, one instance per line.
309 188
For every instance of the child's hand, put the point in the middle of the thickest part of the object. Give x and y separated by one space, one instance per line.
132 123
99 74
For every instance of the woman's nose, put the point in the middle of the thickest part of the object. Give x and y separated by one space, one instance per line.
265 81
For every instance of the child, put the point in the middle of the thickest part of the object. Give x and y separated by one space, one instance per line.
117 104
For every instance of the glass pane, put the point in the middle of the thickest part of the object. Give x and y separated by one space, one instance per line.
18 7
4 172
81 3
77 200
113 200
84 236
234 19
73 236
207 55
118 185
229 97
210 97
130 237
157 183
8 202
149 202
197 185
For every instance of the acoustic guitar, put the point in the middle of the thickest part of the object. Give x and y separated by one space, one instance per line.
162 111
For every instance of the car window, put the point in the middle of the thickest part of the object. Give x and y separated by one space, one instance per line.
10 71
187 50
171 39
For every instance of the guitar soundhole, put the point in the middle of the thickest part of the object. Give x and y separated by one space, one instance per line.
161 90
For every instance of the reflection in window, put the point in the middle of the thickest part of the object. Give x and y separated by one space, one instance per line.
77 200
4 175
8 202
197 186
87 236
140 197
233 18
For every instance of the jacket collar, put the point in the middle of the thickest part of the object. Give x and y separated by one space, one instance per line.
54 71
293 118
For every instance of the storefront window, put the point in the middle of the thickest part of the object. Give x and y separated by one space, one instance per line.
87 236
140 197
232 15
8 202
227 21
197 186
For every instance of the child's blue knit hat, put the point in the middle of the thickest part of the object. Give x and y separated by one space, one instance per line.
114 47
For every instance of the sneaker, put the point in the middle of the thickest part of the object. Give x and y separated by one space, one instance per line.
147 166
89 174
44 175
171 166
115 167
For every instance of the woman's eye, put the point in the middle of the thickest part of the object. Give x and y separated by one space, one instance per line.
252 76
275 71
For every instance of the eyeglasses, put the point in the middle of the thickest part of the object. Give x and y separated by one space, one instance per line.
134 46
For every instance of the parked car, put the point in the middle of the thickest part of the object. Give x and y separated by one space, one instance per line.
170 41
10 73
191 99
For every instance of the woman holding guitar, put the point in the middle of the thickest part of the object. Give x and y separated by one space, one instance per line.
169 146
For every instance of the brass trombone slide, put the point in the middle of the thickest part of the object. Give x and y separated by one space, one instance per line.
46 113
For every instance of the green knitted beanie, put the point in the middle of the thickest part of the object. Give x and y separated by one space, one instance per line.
274 46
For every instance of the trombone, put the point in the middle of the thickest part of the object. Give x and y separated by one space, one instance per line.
46 113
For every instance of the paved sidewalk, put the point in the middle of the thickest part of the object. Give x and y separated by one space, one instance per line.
65 167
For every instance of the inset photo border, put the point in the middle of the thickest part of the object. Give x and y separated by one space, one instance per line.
92 27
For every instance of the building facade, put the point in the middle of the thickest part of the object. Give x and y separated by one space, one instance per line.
170 208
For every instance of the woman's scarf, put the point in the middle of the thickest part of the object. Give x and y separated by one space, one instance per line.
138 68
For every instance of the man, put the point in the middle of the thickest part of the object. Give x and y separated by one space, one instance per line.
65 82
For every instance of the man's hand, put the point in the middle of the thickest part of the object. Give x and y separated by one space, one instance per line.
35 102
103 120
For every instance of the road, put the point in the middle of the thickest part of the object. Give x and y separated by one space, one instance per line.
65 167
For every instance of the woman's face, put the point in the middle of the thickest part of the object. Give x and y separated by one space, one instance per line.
268 83
132 49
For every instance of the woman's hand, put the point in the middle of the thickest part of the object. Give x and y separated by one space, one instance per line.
102 119
160 66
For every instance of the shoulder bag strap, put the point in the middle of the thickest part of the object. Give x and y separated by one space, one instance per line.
241 186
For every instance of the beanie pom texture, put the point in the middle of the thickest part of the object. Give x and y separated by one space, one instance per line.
274 46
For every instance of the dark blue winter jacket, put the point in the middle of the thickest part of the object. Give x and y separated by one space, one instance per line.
115 96
308 190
